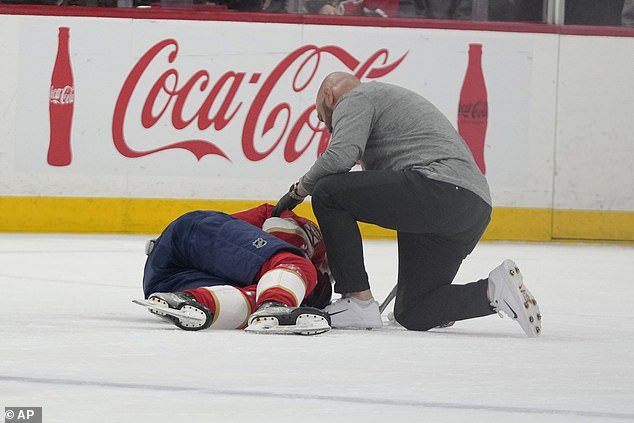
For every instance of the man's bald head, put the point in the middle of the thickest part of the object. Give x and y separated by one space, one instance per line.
340 81
332 88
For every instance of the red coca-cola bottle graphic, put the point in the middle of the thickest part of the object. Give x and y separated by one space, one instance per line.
473 110
61 103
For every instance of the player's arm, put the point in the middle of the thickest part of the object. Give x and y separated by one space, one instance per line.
255 216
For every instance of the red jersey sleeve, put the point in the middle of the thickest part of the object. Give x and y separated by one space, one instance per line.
255 216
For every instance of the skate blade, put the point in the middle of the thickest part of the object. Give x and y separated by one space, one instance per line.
307 324
184 313
195 319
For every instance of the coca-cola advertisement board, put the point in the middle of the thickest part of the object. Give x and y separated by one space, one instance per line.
197 104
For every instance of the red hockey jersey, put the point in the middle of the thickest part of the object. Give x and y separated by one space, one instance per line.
299 232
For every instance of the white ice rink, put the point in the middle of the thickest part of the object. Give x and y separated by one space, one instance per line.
72 342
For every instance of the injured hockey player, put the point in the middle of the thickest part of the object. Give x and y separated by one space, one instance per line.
248 270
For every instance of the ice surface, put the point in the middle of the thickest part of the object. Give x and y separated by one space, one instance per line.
72 342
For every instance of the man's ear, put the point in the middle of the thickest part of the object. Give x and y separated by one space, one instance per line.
329 97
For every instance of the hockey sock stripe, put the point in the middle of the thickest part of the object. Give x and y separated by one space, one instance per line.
232 307
279 295
284 279
293 263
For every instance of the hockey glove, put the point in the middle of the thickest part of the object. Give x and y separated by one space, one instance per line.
289 201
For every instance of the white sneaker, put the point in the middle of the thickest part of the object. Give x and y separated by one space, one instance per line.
508 294
350 313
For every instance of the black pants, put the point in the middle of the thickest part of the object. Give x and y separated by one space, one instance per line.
438 225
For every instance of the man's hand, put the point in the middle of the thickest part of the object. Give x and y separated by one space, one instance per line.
289 201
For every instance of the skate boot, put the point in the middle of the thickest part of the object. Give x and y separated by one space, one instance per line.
350 313
508 294
182 309
277 318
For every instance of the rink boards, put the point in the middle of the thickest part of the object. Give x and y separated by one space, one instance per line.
171 115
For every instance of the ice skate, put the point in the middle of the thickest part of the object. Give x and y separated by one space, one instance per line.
350 313
181 308
508 294
277 318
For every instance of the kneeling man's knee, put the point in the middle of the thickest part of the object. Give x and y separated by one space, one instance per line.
411 320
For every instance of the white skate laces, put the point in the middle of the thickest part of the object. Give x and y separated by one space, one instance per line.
508 294
350 313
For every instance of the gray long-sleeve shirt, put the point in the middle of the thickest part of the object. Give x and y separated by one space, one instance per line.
389 127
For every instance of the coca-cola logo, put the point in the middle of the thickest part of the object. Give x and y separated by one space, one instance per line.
173 96
63 95
477 110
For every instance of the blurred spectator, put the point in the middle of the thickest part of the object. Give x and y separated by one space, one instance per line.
245 5
627 16
593 12
276 6
408 9
436 9
529 11
501 10
320 7
40 2
382 8
497 10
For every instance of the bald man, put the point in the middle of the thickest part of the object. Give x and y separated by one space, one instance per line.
419 178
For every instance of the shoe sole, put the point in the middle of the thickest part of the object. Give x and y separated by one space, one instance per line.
528 316
356 327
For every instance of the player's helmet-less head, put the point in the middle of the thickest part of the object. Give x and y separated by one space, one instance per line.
290 231
302 233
